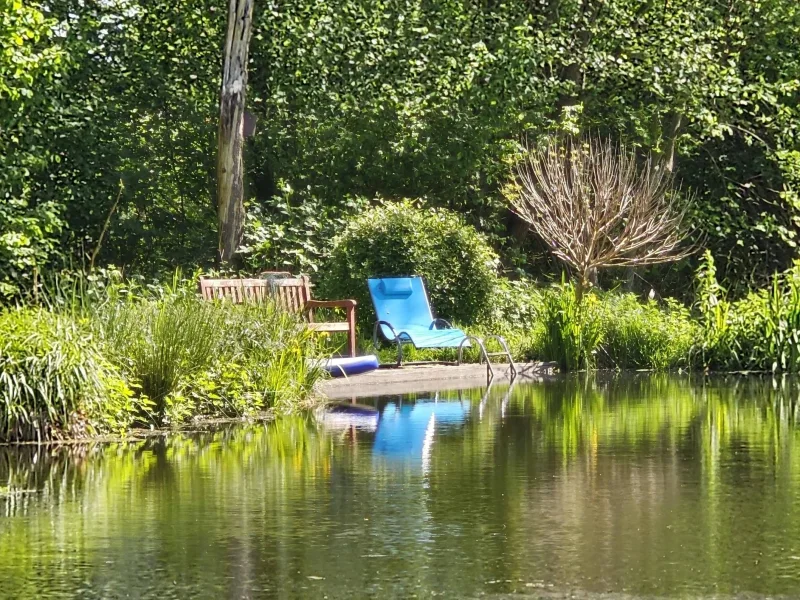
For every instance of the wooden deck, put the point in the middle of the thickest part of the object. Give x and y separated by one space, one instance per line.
411 379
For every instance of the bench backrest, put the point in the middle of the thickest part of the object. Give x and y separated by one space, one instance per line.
291 293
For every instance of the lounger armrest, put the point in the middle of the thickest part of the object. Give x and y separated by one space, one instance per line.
312 304
396 339
437 322
375 331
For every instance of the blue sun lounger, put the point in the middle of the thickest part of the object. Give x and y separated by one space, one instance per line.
405 317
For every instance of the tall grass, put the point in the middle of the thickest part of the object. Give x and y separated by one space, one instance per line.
645 335
103 354
55 381
572 328
160 342
195 357
758 332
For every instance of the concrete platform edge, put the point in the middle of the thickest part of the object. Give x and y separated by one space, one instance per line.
424 378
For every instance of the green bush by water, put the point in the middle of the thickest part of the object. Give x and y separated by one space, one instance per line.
604 329
645 335
758 332
161 342
212 358
107 355
458 265
572 328
55 380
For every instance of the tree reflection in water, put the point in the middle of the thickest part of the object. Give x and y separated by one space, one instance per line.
645 484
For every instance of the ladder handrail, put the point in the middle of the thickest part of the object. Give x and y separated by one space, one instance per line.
486 355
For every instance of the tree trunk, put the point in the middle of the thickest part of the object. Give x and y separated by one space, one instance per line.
671 129
230 163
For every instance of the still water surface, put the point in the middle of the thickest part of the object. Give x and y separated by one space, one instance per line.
610 488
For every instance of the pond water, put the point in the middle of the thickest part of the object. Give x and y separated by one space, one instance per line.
611 487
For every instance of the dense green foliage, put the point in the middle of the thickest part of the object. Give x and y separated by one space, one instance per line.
758 332
54 381
645 335
192 357
108 355
459 267
29 223
572 328
358 99
610 330
604 330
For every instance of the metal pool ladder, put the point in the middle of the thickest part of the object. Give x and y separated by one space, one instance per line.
486 356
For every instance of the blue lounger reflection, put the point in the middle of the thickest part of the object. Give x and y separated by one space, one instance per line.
404 430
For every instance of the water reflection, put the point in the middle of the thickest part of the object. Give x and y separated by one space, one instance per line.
636 485
406 431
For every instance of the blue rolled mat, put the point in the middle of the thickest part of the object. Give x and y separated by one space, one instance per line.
351 365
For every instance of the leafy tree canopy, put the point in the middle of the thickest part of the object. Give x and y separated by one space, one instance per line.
396 98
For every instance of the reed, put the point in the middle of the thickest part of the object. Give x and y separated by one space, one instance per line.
55 381
645 335
195 357
572 328
101 354
758 332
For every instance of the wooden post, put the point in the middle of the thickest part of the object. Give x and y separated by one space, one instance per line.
351 330
230 163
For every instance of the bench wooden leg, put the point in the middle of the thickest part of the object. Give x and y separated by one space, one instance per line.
351 334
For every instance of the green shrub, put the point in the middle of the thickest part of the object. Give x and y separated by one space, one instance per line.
758 332
294 231
572 327
644 335
401 238
55 382
193 357
271 348
516 315
161 342
515 305
769 322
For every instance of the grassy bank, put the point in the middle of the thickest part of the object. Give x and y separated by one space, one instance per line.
103 358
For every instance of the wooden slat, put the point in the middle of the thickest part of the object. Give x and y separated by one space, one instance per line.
283 298
291 293
329 326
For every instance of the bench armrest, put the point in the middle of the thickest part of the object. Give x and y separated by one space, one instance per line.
348 305
311 304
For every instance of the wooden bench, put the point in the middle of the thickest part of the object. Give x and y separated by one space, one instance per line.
291 293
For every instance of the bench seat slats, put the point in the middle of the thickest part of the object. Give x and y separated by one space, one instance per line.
328 326
293 294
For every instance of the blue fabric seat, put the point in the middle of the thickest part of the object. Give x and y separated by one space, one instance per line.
405 316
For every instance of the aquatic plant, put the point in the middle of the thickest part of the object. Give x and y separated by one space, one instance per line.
213 358
645 335
55 381
102 353
758 332
572 327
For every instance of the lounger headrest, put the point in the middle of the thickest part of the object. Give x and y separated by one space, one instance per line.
396 287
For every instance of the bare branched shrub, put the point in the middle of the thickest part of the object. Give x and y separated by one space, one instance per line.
596 206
